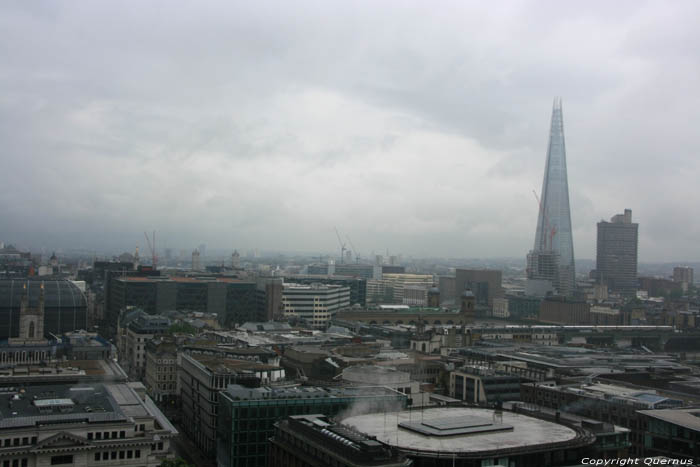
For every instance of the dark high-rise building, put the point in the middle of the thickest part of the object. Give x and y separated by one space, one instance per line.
616 254
233 300
550 264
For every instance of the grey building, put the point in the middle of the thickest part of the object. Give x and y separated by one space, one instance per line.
485 284
616 254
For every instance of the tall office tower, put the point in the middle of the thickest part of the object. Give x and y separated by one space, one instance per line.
684 275
550 264
616 255
196 264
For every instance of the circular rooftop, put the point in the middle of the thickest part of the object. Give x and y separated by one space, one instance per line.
460 430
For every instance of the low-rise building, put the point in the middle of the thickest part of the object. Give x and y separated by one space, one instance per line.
96 424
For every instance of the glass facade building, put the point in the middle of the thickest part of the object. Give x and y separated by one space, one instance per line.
247 416
552 257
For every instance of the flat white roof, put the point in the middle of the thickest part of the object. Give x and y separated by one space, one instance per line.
527 431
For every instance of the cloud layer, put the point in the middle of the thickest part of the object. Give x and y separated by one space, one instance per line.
416 127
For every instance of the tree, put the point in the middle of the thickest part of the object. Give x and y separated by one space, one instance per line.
177 462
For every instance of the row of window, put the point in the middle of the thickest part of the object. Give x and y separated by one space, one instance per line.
15 463
106 435
114 455
19 441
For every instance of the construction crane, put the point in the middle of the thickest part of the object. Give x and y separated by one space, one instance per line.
152 247
551 230
342 246
357 255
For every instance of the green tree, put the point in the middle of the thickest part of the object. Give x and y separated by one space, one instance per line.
182 327
177 462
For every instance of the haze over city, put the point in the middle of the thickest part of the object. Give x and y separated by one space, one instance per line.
411 126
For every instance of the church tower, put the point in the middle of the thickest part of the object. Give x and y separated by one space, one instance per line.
31 319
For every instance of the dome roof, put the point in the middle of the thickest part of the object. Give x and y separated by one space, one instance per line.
434 290
57 293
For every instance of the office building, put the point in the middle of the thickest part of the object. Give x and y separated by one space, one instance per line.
301 440
616 254
161 370
196 263
608 403
96 424
135 329
247 415
480 385
234 301
268 299
550 263
684 276
357 285
390 288
314 303
672 433
202 377
485 284
559 310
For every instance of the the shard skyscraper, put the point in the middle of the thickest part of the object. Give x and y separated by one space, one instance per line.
550 264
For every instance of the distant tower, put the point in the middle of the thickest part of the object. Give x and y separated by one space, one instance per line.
203 250
53 261
31 319
137 260
235 259
468 304
196 265
550 264
616 254
434 297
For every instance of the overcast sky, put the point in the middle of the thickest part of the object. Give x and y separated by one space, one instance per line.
419 127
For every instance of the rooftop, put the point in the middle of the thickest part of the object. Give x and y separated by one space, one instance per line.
216 364
687 418
470 430
308 392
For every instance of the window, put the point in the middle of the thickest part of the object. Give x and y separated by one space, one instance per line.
122 434
61 460
89 436
97 456
114 435
105 456
98 435
137 453
121 454
143 427
25 440
113 455
129 454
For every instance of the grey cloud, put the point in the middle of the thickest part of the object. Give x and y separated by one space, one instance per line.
413 126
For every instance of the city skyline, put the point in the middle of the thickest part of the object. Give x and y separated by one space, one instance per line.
231 126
